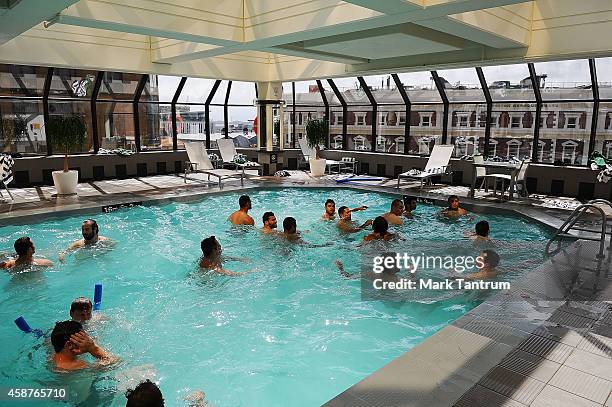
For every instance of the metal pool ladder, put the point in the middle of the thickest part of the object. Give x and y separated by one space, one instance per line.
564 231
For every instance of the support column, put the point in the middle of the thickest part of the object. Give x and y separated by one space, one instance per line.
270 126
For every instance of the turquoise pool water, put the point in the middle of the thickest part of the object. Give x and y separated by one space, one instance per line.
291 332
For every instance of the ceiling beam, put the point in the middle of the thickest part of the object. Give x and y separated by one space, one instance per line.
386 6
142 30
478 26
418 14
16 17
298 50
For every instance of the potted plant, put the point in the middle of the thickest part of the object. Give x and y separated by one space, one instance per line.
316 133
11 131
66 133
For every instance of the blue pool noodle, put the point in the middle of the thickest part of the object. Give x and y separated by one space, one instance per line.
23 325
97 297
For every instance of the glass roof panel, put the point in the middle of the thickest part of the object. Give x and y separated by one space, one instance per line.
564 79
19 80
420 87
462 85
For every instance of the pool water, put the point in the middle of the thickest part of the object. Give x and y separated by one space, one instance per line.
292 331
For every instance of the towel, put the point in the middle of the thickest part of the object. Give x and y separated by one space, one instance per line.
6 168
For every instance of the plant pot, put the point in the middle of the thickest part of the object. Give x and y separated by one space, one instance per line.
66 182
317 167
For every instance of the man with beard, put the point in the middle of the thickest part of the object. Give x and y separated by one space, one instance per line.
90 230
269 223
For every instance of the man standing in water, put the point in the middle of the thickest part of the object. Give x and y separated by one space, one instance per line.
24 247
393 216
269 223
89 230
380 230
453 210
211 257
241 216
346 224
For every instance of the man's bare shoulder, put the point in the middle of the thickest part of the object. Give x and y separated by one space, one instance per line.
43 262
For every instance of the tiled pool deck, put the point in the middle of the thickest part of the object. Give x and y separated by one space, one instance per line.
548 342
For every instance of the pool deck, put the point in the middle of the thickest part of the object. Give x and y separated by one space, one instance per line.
548 342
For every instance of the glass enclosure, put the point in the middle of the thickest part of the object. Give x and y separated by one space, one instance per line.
555 112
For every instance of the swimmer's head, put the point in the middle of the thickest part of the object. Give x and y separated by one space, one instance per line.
410 203
146 394
482 228
269 220
60 336
330 207
80 309
397 207
344 213
453 202
490 258
24 246
89 229
210 247
380 225
245 202
290 225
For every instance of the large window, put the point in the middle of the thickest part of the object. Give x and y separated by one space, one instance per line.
154 131
22 129
565 132
461 85
115 125
17 80
512 129
391 128
509 82
75 108
426 128
467 128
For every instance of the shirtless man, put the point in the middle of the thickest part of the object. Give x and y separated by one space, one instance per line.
410 204
380 230
290 230
24 247
241 216
490 260
89 230
211 257
80 309
481 234
269 223
69 341
330 210
346 224
393 217
453 210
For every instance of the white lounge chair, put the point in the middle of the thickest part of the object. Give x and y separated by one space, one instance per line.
309 152
199 162
227 148
436 165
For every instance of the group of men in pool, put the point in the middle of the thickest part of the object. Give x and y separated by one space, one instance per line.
400 209
25 249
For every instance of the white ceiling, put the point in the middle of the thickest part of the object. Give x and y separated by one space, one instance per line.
262 40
